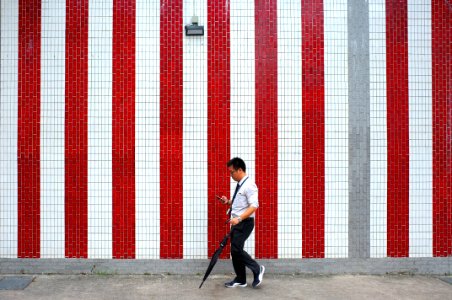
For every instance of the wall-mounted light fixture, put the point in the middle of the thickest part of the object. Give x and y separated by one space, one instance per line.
194 29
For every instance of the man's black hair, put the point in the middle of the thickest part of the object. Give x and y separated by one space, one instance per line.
237 163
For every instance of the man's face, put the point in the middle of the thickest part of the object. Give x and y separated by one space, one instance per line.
235 174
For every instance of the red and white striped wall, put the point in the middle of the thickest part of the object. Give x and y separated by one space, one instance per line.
409 210
115 127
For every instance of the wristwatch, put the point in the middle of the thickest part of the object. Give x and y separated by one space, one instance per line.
240 219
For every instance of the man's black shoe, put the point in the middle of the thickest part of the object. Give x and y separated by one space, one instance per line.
234 283
259 277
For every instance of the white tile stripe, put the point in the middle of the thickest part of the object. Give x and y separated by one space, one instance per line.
100 26
147 130
195 213
420 108
243 91
289 130
9 18
52 128
336 128
378 129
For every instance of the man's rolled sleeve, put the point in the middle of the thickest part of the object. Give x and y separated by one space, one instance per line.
252 196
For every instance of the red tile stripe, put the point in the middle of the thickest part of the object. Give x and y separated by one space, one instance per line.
28 144
218 141
171 129
397 128
442 127
313 97
76 130
123 154
266 127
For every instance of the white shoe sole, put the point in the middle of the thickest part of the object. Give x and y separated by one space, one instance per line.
236 285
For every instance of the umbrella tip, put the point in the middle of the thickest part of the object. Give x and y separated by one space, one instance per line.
201 284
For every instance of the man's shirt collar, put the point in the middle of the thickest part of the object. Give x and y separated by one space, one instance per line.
243 179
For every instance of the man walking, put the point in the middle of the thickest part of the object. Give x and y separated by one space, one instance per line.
241 213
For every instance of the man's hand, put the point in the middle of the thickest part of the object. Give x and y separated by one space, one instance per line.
224 199
234 221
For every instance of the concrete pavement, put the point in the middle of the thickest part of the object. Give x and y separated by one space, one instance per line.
105 286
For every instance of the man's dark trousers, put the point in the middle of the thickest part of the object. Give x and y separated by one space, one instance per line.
240 258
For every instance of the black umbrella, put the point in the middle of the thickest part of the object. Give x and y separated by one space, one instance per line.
215 256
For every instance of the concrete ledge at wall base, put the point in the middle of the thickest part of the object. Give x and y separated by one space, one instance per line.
325 266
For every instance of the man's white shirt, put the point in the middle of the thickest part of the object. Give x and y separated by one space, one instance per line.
246 196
